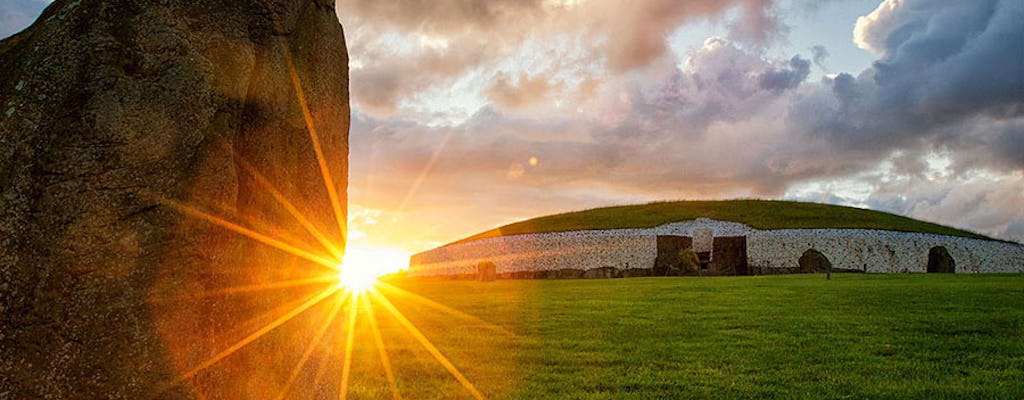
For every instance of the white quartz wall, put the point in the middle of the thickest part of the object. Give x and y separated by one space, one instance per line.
540 252
866 250
880 251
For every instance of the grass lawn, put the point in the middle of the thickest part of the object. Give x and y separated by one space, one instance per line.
760 214
798 336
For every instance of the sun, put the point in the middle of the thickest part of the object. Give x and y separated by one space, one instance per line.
362 265
356 278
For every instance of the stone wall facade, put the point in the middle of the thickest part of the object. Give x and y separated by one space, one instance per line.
540 252
768 251
881 251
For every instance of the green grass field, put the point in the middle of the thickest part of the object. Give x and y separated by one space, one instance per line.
798 336
760 214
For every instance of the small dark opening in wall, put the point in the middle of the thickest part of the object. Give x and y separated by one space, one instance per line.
939 261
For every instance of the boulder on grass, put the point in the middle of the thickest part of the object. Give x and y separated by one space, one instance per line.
812 261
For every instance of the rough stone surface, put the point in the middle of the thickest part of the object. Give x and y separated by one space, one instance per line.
602 273
768 251
566 273
544 252
636 272
114 110
939 261
876 251
813 261
703 239
486 271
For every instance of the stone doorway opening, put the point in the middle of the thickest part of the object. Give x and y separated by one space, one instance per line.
940 261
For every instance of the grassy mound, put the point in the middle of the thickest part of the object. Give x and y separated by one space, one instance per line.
759 214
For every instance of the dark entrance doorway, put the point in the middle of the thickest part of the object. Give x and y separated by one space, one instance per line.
668 262
729 255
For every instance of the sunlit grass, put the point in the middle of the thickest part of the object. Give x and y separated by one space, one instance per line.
857 336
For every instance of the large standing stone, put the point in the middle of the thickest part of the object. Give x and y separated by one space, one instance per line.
110 109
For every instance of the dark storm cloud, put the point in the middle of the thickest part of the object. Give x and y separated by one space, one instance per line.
788 77
942 65
819 54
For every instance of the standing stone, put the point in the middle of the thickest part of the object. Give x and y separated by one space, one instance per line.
815 262
114 109
939 261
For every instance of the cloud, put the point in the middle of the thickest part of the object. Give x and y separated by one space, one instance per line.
819 54
452 38
611 124
702 131
949 75
986 203
788 77
523 92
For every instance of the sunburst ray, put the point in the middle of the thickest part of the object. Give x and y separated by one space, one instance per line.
402 293
313 344
378 339
346 368
292 210
415 332
321 160
259 237
424 172
251 338
260 287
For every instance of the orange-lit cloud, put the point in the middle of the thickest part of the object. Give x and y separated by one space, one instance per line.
452 100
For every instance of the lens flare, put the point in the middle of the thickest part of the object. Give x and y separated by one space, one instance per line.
361 266
356 278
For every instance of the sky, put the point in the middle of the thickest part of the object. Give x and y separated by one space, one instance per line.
470 114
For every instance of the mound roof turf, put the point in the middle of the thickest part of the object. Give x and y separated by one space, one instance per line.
759 214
